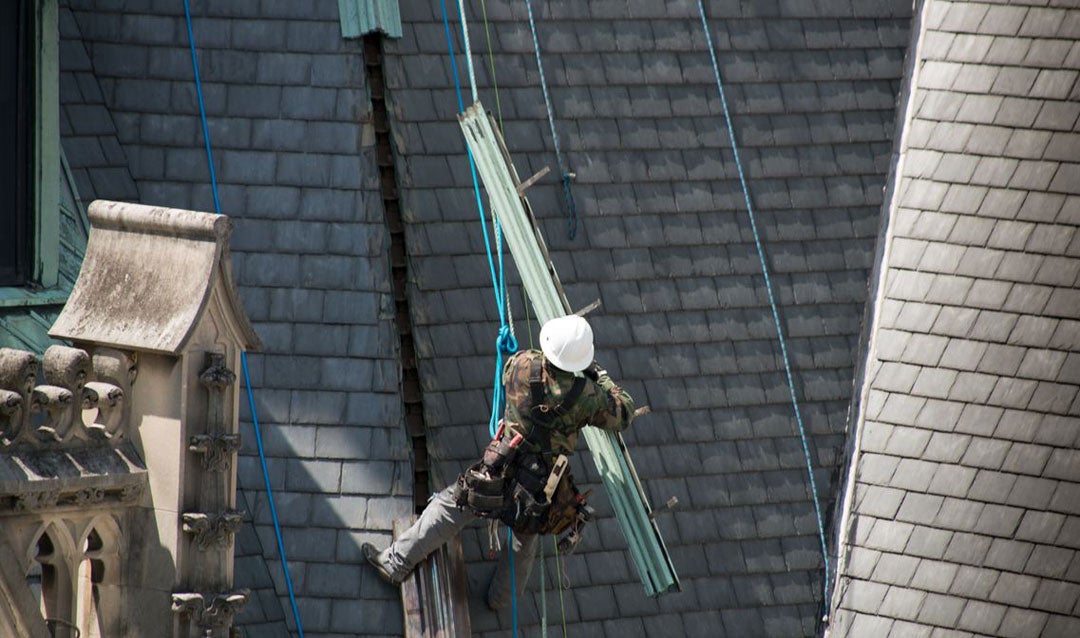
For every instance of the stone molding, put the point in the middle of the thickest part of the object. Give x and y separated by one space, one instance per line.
217 377
74 382
210 611
217 449
76 496
213 531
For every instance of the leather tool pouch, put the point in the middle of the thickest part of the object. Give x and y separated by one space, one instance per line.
564 508
483 493
527 510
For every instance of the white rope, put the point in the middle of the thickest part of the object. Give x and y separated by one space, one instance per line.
468 52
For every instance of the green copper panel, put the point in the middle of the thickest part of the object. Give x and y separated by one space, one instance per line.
47 145
646 546
361 17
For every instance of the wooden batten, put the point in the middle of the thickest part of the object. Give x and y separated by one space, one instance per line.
434 597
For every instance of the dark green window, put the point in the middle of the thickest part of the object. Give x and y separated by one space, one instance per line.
17 45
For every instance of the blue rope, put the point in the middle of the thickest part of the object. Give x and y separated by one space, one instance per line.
571 208
270 495
243 355
505 343
202 109
772 299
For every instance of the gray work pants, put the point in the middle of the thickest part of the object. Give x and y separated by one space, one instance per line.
438 523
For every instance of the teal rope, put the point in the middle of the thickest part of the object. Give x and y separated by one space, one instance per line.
243 355
772 299
202 109
571 208
505 343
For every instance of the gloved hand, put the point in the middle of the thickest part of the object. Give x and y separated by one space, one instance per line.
594 371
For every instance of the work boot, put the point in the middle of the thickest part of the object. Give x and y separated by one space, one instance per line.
371 553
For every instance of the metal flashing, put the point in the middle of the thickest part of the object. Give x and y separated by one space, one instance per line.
361 17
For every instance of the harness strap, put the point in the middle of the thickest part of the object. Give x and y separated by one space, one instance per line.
541 412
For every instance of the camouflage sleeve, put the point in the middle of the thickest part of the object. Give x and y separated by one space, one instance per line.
615 409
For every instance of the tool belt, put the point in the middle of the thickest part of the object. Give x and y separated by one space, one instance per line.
524 491
484 487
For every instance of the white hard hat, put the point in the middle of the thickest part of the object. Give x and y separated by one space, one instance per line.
567 343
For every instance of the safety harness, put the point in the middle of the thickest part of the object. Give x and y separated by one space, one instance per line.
524 486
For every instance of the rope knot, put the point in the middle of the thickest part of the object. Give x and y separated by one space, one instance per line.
506 341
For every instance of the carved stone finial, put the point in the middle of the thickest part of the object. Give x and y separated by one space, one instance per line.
108 400
217 449
56 402
18 374
11 407
114 376
217 376
66 371
131 493
213 531
88 496
33 501
210 611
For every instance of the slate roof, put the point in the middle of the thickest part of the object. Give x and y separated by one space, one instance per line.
287 107
663 241
965 512
88 131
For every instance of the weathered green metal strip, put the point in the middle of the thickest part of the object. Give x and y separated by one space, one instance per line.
47 145
361 17
647 549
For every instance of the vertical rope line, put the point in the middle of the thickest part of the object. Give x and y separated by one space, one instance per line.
468 51
513 582
491 63
243 355
543 590
571 209
202 109
559 577
768 290
270 497
505 341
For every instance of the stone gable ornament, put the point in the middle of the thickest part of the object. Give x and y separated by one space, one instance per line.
155 299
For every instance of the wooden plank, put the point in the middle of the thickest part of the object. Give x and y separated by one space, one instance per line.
410 590
434 598
522 187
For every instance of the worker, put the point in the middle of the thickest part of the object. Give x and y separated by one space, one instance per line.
523 479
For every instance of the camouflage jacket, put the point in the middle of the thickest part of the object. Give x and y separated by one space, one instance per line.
601 403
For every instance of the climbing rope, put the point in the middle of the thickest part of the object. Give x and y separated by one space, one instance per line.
491 64
505 343
571 208
513 581
768 290
468 51
560 585
543 591
243 355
